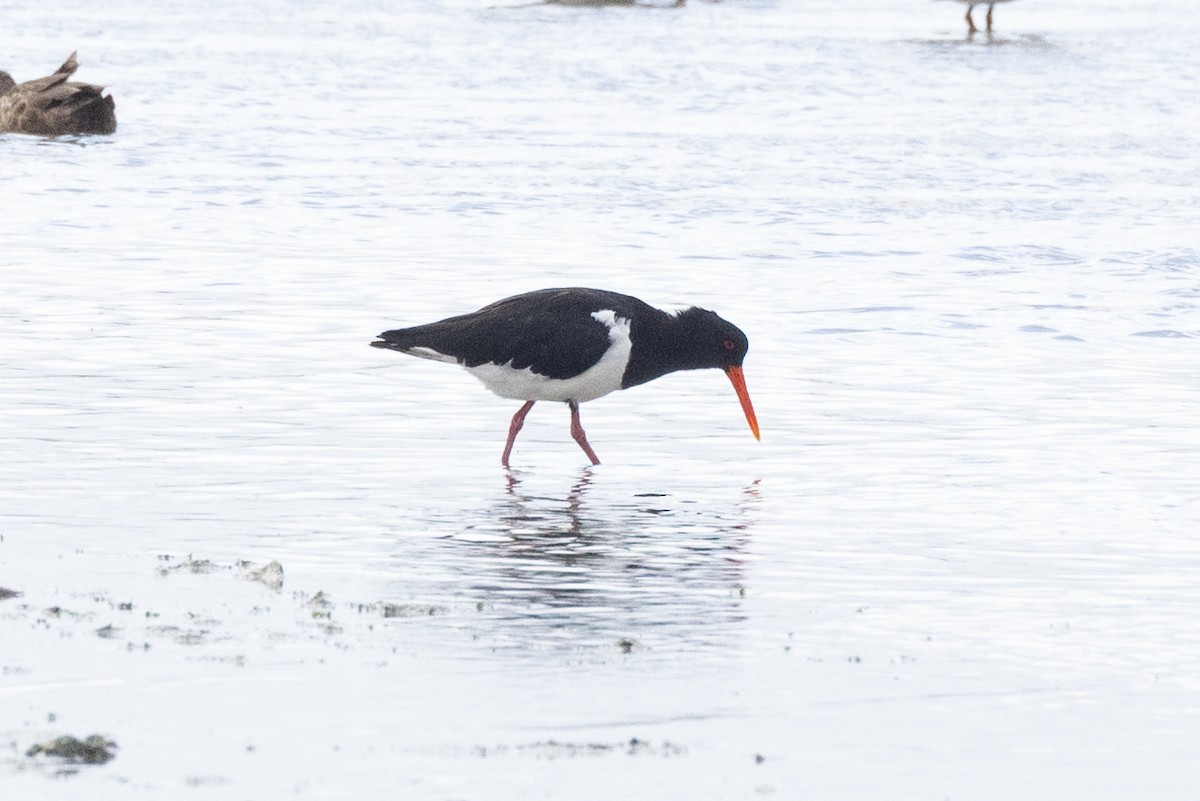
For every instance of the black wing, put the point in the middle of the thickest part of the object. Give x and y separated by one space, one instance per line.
551 331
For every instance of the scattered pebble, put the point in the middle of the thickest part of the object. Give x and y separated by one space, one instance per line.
191 565
270 574
320 601
411 610
554 749
95 750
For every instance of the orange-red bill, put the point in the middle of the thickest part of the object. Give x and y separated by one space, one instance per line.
739 385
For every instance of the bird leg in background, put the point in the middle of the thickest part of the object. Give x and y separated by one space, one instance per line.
577 432
517 421
989 18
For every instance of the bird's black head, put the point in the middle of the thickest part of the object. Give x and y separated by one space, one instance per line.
692 339
712 341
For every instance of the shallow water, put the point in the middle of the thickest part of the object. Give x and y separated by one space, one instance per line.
961 563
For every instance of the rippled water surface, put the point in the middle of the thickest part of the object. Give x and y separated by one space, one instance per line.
962 563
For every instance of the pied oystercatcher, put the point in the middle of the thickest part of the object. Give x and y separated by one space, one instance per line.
575 345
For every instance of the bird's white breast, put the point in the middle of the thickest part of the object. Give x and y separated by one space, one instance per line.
598 380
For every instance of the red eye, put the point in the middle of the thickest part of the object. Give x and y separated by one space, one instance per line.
728 345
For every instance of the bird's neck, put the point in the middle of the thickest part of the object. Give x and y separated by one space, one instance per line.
660 346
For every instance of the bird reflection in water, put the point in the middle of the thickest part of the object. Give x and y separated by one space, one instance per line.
578 570
600 4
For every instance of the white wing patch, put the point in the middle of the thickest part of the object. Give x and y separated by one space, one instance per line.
430 353
597 381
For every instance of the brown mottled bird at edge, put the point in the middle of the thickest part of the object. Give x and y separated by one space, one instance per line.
53 106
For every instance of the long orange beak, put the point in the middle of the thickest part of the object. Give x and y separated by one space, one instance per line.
739 385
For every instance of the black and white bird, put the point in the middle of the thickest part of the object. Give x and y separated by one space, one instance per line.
575 345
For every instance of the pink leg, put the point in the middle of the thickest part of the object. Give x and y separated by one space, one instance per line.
990 7
514 427
970 22
577 432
